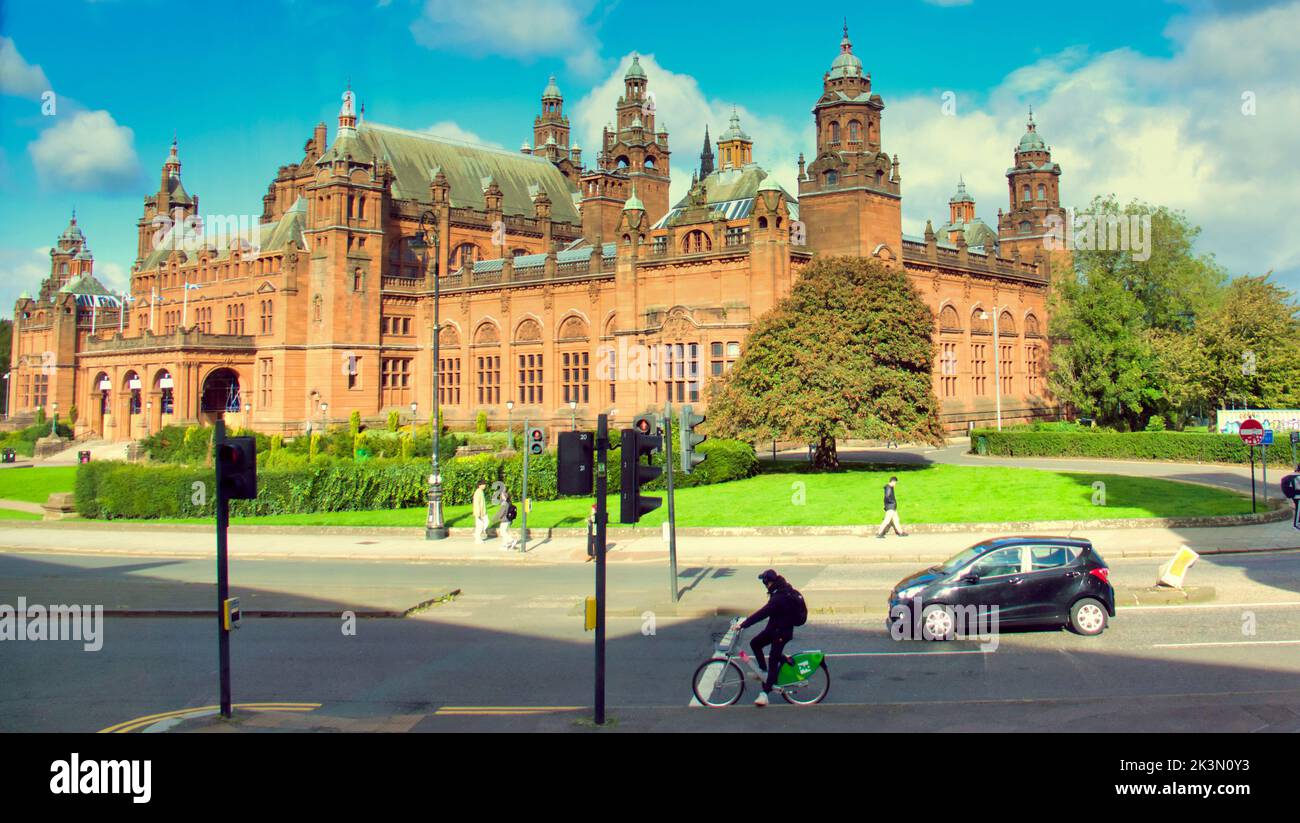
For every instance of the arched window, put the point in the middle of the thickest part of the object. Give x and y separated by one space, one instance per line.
831 177
948 319
835 132
880 177
1031 326
1025 195
697 241
649 162
465 255
855 131
1042 192
357 280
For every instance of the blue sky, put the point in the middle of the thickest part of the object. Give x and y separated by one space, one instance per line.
1142 98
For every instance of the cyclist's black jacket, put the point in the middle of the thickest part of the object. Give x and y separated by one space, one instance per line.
781 610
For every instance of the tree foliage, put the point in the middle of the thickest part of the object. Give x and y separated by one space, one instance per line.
1170 334
849 353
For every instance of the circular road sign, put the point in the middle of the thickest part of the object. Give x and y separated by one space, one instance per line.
1252 432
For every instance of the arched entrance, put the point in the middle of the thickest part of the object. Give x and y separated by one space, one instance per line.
220 395
163 396
101 404
131 423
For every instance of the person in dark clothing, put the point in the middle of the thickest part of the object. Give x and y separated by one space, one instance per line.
891 512
781 612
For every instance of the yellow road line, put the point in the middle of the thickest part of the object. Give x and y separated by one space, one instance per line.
132 725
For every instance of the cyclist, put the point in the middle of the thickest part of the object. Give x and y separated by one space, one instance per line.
782 612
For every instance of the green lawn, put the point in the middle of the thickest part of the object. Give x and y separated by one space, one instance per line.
11 514
931 494
35 485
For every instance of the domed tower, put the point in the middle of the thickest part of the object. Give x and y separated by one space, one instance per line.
850 195
735 147
172 205
1033 184
551 127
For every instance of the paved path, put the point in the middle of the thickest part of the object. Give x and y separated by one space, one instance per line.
410 545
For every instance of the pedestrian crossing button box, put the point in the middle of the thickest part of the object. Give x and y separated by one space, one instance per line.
230 614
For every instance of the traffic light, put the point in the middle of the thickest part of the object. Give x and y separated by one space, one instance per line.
635 474
237 467
647 424
535 440
574 463
687 420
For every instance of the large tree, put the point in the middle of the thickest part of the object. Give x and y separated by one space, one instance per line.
849 353
1122 320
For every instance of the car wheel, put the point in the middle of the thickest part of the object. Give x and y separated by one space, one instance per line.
1088 617
937 622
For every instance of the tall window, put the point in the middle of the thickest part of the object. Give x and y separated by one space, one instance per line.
530 379
264 376
576 376
449 381
235 318
40 390
1006 354
395 381
948 370
267 316
489 379
1031 369
354 371
677 369
722 356
979 378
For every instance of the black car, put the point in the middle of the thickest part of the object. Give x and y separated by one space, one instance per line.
1056 581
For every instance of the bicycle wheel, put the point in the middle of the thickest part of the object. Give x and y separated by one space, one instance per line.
718 682
810 691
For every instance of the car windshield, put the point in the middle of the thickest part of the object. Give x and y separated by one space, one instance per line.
963 557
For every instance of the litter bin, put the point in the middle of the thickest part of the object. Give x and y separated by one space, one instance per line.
9 456
83 456
982 445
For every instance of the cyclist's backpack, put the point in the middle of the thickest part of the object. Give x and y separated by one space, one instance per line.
798 608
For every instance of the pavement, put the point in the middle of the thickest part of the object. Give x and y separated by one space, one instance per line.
509 652
409 545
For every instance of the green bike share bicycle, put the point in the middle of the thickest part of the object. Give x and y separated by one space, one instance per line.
803 679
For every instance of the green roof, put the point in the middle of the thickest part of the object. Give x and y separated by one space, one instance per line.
85 284
635 69
415 155
274 236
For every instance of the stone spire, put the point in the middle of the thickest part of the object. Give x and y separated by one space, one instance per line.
706 156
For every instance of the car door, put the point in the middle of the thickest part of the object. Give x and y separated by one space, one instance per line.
993 580
1049 577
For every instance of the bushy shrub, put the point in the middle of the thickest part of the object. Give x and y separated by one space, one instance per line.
294 483
23 441
1148 445
1156 423
480 422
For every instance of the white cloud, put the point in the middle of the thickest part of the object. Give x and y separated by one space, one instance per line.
1170 131
683 107
453 131
17 76
24 270
87 151
539 28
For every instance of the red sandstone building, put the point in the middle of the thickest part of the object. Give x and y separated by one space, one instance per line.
566 289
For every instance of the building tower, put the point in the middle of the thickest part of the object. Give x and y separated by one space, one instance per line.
634 150
1033 184
551 135
70 258
171 202
849 196
706 156
735 148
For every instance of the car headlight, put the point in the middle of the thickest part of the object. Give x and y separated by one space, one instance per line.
910 592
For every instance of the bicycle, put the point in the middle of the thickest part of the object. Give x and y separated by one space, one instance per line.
803 679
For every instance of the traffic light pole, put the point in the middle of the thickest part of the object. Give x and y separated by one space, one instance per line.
672 511
523 496
223 571
602 516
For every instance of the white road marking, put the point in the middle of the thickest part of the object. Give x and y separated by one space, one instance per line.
908 654
1227 643
1210 606
710 679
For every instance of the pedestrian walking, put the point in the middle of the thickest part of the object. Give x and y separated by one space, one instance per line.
480 512
891 512
505 516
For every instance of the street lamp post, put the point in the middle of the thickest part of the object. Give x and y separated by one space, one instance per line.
434 526
573 415
148 417
324 418
54 417
997 361
510 425
414 407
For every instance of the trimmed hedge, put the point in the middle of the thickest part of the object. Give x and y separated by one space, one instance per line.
111 489
1186 447
23 441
